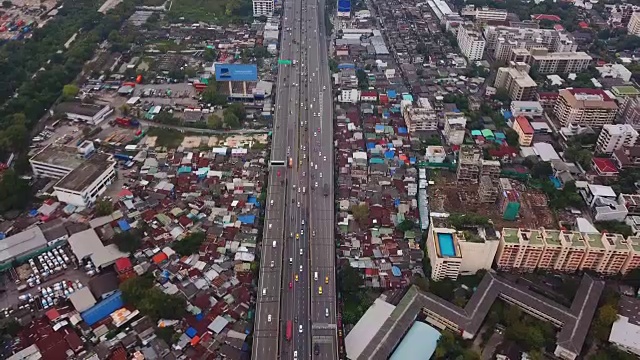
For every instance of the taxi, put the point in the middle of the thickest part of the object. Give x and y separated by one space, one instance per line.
320 290
326 279
297 236
296 277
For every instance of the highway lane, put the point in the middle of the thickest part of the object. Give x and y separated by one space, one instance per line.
322 245
268 318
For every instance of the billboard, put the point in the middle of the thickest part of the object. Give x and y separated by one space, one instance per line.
236 72
344 8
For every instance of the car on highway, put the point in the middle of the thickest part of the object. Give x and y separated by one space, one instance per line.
316 349
326 279
320 174
264 291
296 277
319 290
313 233
299 201
326 312
301 251
278 173
303 222
301 231
315 133
300 268
272 264
269 318
290 284
325 158
300 329
295 355
271 202
297 236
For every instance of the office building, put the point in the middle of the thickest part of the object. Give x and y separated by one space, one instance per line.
516 80
84 184
471 43
524 130
56 162
421 118
567 251
455 128
633 27
614 137
484 13
587 107
263 8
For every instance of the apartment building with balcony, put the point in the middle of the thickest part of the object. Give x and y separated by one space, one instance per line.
547 62
471 43
630 111
516 80
588 107
263 8
613 137
567 251
501 40
634 24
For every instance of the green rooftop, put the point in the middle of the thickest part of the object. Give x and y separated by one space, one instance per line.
553 237
594 240
510 235
635 243
625 90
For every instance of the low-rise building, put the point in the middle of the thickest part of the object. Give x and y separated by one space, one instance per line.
614 137
547 62
83 185
263 8
524 130
526 108
421 118
484 13
88 113
614 71
590 107
435 154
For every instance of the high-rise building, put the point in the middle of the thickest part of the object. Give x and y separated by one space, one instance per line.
516 80
500 40
567 251
471 43
558 62
630 112
589 107
263 7
634 24
613 137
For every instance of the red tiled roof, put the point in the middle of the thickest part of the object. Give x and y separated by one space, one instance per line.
605 165
524 125
583 25
545 17
123 264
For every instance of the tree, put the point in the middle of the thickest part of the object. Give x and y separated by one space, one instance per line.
541 170
615 227
632 278
125 109
605 317
502 95
151 301
104 207
231 120
406 225
7 4
512 137
443 288
165 117
214 122
189 244
349 280
363 79
238 110
127 241
14 191
210 54
70 91
211 96
134 289
579 155
360 213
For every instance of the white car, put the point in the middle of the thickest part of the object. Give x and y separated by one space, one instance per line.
316 184
271 202
325 158
321 175
315 133
316 167
300 268
300 329
326 312
295 355
301 251
269 318
272 263
298 203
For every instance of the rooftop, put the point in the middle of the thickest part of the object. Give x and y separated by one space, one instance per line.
588 99
86 173
361 334
79 108
63 156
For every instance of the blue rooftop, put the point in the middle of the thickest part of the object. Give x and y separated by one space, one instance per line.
247 219
191 332
124 225
379 127
392 94
396 271
402 130
371 145
389 154
419 343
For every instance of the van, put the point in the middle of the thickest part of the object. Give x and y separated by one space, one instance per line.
264 291
315 276
304 189
274 243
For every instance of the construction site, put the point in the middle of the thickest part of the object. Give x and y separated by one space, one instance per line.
507 202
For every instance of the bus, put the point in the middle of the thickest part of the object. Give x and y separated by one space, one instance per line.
289 330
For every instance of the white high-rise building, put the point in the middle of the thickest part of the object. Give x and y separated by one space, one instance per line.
263 7
471 43
614 137
634 24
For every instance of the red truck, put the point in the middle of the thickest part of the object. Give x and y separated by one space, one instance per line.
127 122
289 330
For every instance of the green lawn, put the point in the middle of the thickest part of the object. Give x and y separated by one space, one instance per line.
211 11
